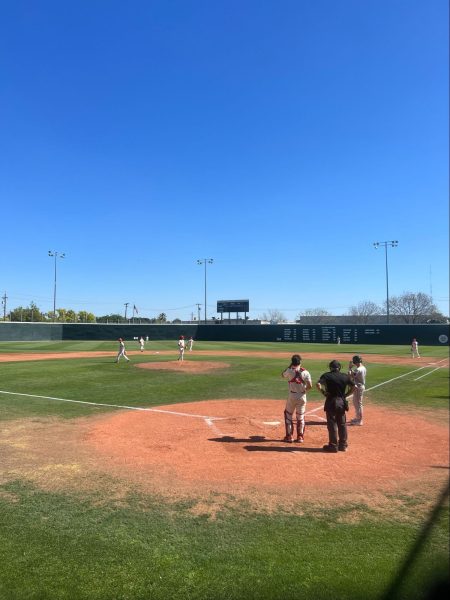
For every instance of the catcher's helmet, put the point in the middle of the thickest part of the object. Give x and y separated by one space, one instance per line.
356 360
296 360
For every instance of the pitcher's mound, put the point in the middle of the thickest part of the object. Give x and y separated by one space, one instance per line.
186 366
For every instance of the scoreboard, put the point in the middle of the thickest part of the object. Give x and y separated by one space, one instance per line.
232 306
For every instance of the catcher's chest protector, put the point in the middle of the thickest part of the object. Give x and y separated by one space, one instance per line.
298 377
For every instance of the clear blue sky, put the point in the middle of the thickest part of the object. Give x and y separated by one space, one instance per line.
280 138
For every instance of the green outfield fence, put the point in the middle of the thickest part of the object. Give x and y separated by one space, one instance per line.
428 335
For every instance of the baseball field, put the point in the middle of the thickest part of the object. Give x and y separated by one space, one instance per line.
160 479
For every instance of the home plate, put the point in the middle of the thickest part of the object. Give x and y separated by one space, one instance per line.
271 422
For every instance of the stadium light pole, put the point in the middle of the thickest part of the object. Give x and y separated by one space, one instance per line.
55 254
392 244
205 261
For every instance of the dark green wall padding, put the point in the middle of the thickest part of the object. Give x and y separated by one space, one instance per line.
428 335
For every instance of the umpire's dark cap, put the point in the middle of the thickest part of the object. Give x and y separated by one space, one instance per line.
335 365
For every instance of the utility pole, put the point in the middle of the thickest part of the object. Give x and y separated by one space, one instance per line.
198 311
431 285
4 299
126 308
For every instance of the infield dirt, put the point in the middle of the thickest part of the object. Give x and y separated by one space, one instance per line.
215 452
231 449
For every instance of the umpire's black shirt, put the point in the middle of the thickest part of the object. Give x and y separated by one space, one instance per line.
335 384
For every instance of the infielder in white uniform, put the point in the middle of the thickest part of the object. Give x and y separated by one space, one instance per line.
122 352
299 383
181 347
191 343
415 348
141 343
357 372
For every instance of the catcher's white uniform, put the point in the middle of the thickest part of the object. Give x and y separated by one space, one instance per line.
299 382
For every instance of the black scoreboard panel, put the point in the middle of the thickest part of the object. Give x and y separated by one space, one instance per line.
232 306
350 335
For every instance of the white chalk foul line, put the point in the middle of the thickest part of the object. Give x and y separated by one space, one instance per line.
209 420
310 412
141 408
210 423
429 373
400 376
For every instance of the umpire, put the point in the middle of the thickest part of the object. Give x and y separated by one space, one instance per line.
336 387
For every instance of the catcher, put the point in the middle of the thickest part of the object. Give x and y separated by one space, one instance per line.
300 382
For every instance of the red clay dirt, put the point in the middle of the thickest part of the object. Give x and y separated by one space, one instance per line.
326 356
225 449
186 366
234 447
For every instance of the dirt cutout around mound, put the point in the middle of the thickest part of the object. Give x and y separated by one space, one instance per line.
185 366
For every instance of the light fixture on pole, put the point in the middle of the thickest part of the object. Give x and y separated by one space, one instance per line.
55 254
392 244
205 261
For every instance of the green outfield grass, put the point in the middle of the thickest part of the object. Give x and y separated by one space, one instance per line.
282 347
341 349
69 545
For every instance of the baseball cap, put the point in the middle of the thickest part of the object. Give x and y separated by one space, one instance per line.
356 359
